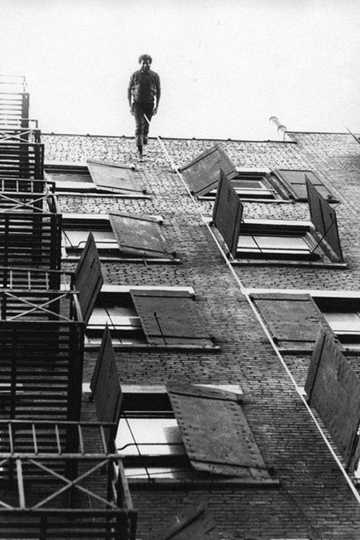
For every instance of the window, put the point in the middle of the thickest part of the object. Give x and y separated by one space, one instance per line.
203 173
294 318
173 435
156 317
149 439
96 178
116 310
264 242
251 185
118 237
343 317
267 241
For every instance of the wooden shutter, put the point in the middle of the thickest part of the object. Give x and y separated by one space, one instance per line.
295 182
88 278
215 432
105 385
293 320
333 390
115 177
203 173
324 219
194 524
139 236
227 213
170 318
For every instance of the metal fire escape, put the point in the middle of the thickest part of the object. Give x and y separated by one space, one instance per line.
59 477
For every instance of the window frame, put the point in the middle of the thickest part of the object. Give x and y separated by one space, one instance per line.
111 290
264 175
282 192
302 229
192 476
83 189
89 220
343 336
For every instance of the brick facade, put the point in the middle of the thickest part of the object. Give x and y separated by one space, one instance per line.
313 499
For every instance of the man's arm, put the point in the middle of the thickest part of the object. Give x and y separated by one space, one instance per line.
158 92
130 87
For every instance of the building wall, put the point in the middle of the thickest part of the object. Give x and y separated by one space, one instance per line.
313 499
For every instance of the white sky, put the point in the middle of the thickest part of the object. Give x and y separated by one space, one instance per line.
225 65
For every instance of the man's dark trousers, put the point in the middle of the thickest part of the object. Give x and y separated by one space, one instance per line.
142 126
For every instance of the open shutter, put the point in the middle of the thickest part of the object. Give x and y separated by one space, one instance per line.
139 236
333 388
203 173
194 524
295 182
324 219
88 278
215 432
105 385
293 320
170 318
227 213
115 177
315 360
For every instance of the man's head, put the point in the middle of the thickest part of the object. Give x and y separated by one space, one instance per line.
145 61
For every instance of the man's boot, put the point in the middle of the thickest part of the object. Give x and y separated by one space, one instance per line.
139 145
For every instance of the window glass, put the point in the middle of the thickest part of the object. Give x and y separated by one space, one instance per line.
252 188
149 436
343 322
65 178
255 188
343 317
248 184
118 311
76 239
289 244
149 439
175 472
114 315
72 181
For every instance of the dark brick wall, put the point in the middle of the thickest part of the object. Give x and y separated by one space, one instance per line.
313 498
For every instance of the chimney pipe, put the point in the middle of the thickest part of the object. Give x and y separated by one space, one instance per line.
280 127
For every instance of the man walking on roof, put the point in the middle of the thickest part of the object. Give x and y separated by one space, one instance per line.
144 96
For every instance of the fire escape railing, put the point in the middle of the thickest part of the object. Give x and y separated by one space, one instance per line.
50 486
65 459
30 225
